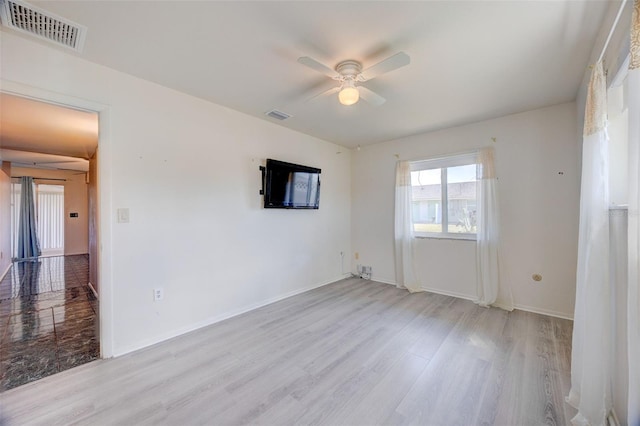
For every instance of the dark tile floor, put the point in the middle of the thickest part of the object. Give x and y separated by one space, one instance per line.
48 319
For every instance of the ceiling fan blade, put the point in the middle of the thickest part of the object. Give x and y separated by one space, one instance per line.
317 66
394 62
325 93
370 96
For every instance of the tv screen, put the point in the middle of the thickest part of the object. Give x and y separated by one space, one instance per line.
291 186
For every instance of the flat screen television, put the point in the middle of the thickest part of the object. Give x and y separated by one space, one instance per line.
291 186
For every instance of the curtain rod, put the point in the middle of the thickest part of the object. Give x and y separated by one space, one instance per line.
613 28
39 178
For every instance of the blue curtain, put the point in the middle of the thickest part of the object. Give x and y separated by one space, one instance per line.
28 246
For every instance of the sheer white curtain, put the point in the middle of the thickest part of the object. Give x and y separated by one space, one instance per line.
590 359
488 238
633 308
405 269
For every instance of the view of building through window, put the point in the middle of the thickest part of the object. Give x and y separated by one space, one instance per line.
453 187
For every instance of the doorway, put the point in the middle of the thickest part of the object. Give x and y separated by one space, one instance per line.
49 313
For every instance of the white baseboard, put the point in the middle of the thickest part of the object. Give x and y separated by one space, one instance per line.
213 320
93 290
430 290
449 293
520 307
75 254
383 281
5 271
543 311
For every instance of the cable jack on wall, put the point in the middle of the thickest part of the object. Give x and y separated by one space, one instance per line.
364 272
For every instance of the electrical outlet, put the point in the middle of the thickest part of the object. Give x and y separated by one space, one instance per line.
357 255
158 294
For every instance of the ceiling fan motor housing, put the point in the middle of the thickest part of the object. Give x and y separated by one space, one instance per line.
349 70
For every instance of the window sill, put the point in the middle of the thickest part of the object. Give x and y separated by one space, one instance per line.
461 237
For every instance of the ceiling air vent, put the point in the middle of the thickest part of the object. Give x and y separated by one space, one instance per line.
278 115
32 20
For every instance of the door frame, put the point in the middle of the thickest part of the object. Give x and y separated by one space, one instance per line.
104 239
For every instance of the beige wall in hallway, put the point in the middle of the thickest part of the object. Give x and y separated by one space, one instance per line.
5 216
76 229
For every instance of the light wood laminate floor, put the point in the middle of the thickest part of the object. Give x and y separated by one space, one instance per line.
354 352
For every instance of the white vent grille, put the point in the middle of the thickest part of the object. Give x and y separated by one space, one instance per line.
29 19
278 115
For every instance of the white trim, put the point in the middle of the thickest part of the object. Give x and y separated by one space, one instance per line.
381 280
447 160
104 179
213 320
543 311
450 293
93 290
6 271
462 236
430 290
498 304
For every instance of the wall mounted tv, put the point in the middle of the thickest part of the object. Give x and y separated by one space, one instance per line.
290 186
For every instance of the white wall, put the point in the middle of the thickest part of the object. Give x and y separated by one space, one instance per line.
188 171
537 162
5 217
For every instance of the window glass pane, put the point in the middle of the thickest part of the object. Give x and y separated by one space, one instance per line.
461 202
427 200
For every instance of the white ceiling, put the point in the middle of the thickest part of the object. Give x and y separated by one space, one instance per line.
34 160
470 60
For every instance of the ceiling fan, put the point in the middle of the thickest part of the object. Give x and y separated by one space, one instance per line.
349 74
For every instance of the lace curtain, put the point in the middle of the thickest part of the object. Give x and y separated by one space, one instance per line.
590 376
488 238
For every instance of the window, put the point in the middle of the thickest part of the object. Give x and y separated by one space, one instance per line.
444 201
618 131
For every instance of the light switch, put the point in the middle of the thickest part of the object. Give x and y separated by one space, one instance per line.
123 215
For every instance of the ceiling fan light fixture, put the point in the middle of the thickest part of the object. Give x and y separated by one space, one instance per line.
349 94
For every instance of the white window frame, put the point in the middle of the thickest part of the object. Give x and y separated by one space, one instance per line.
443 163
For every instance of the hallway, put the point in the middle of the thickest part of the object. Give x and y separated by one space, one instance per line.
48 319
